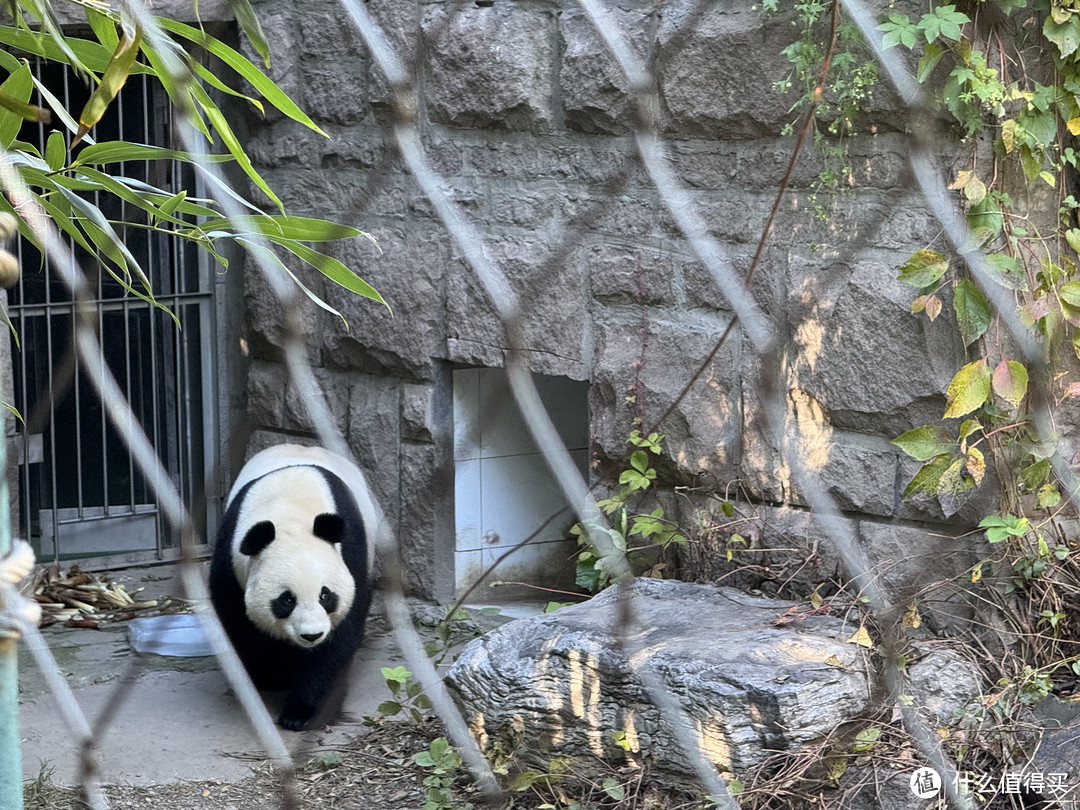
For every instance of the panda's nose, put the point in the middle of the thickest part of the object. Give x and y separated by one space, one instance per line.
311 636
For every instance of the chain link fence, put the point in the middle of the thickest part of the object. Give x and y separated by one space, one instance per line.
647 152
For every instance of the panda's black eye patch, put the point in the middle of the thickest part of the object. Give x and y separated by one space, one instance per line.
328 599
283 606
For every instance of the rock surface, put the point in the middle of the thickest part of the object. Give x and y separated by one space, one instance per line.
564 684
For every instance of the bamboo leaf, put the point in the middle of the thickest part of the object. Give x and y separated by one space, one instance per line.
235 60
89 54
18 85
27 112
119 151
332 268
104 28
56 150
268 256
114 77
57 108
232 143
249 24
305 229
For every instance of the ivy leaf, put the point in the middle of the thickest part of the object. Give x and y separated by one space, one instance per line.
967 430
1035 475
930 304
929 60
862 638
945 22
958 483
924 268
1072 236
926 480
614 789
1006 271
1049 496
1070 293
998 528
1066 35
975 465
926 442
986 214
1008 135
1010 381
898 30
866 739
969 389
1031 161
973 312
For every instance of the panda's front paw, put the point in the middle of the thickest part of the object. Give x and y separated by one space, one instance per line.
295 716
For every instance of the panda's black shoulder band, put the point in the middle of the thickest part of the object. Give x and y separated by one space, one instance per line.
257 538
329 527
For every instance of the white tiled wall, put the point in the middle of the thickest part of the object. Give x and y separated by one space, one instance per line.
503 488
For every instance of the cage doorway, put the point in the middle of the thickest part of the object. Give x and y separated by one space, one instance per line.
79 493
504 491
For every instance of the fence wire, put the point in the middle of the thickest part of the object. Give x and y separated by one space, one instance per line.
645 148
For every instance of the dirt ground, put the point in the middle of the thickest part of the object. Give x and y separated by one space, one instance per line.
375 772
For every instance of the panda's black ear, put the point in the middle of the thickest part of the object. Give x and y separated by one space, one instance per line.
258 537
329 527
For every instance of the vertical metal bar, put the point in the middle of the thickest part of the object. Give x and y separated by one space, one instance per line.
10 755
52 410
75 378
155 435
24 472
126 313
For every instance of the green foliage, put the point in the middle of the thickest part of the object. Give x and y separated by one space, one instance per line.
408 694
595 569
72 180
444 764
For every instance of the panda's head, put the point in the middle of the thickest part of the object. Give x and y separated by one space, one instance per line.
298 587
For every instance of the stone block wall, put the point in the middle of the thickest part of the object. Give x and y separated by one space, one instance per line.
526 117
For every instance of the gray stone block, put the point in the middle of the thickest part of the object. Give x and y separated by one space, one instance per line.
629 274
553 304
490 67
265 314
266 383
703 432
595 91
880 369
407 269
334 64
717 81
373 436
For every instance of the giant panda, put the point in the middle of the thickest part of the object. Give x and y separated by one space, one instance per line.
289 574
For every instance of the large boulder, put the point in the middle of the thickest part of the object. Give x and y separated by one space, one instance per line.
750 680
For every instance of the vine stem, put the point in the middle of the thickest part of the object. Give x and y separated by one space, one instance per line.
819 89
